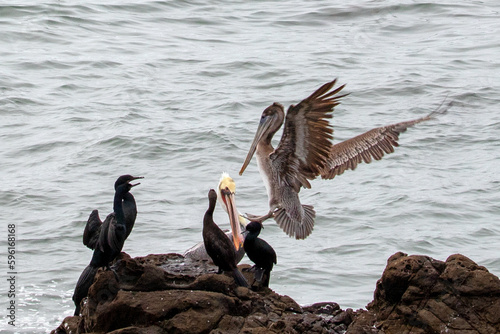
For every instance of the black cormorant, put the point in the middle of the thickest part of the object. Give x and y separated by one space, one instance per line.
260 252
227 194
218 245
108 245
94 223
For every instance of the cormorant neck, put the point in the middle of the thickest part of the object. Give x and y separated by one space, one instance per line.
118 206
208 218
252 236
128 197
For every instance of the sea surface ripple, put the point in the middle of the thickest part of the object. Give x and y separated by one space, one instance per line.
173 90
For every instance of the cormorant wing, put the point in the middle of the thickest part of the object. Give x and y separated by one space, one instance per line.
306 141
219 246
103 236
365 147
266 249
116 235
92 230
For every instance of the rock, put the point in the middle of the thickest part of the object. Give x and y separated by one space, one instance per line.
172 294
418 294
168 293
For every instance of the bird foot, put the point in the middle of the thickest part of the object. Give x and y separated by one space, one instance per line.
259 219
251 269
114 272
116 275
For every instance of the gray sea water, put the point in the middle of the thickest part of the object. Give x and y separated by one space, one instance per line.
173 90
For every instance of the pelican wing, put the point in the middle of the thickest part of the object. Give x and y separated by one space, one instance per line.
92 230
306 142
365 147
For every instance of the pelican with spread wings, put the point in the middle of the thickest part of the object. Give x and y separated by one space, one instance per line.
306 151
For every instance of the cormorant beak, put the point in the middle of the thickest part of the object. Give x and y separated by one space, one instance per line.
136 178
229 201
265 123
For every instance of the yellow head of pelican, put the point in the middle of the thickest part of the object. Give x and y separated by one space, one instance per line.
227 189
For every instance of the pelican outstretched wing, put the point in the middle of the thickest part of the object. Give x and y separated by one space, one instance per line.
365 147
306 142
92 230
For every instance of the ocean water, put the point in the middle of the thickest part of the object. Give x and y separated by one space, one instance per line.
173 90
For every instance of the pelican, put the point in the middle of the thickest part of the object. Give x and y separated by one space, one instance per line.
226 191
306 151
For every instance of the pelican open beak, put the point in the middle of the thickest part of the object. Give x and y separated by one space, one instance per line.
265 123
229 201
135 178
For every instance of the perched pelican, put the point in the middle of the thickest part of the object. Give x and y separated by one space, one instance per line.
260 252
218 245
94 223
305 151
226 190
109 243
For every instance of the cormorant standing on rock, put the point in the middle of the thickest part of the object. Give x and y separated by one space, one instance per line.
218 245
94 223
109 242
260 252
226 192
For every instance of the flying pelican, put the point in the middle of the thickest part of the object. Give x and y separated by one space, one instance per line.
226 191
305 151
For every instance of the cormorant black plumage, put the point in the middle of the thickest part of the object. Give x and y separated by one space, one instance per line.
218 245
94 223
260 253
108 245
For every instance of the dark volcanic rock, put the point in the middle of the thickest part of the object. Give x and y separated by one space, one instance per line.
418 294
171 294
160 294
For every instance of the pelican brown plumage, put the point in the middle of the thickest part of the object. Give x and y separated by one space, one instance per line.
306 151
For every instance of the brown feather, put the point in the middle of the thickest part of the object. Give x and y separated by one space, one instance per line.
306 142
365 147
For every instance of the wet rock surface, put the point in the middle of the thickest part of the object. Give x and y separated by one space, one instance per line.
172 294
168 293
418 294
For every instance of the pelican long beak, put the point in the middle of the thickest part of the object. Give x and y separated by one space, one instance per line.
229 201
264 124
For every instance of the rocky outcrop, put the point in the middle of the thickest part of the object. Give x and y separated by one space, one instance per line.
172 294
418 294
